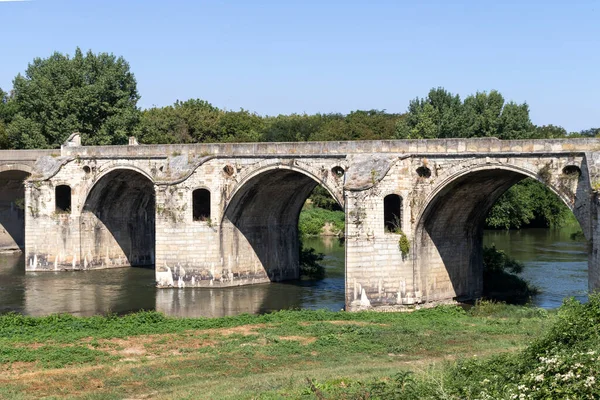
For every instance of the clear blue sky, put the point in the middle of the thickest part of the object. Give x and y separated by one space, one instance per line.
286 56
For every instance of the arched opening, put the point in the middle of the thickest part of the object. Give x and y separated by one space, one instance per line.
12 215
449 234
201 205
118 221
259 232
62 199
392 213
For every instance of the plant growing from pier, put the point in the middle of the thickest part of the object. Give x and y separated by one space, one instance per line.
403 244
545 173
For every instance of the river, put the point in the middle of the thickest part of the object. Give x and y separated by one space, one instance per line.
553 262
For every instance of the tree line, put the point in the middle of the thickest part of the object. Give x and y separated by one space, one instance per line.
96 95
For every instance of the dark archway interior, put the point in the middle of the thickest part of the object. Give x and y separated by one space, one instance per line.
123 204
449 238
264 215
12 215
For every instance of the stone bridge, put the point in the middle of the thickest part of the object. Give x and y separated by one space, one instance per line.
216 215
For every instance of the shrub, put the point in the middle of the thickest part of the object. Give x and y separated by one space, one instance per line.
500 279
310 266
313 219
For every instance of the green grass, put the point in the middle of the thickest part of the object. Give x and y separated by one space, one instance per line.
272 355
563 363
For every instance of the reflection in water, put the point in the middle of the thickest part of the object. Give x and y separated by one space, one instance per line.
79 293
325 294
554 263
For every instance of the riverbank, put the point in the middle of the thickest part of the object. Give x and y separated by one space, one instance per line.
287 353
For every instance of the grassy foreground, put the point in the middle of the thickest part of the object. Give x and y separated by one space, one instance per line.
288 354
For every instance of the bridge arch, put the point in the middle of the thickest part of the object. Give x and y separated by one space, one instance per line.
12 204
118 219
106 171
259 226
449 228
16 167
323 177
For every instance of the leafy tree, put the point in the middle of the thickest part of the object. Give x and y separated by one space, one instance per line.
548 132
191 121
25 133
95 95
439 115
292 128
7 107
240 126
6 114
334 127
515 122
4 140
321 198
482 114
371 125
358 125
528 203
592 132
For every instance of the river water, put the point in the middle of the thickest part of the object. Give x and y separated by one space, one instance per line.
553 262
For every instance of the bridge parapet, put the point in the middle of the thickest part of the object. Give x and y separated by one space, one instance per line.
425 146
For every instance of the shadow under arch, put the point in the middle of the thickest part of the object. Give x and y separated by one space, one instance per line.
259 229
12 214
118 220
449 232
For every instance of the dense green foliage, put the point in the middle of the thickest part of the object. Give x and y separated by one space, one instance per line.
321 198
313 219
565 363
528 203
443 115
95 95
562 364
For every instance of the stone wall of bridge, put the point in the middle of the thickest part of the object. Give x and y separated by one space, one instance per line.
134 205
445 201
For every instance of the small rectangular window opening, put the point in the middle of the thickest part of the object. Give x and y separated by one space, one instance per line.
392 213
62 198
201 204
